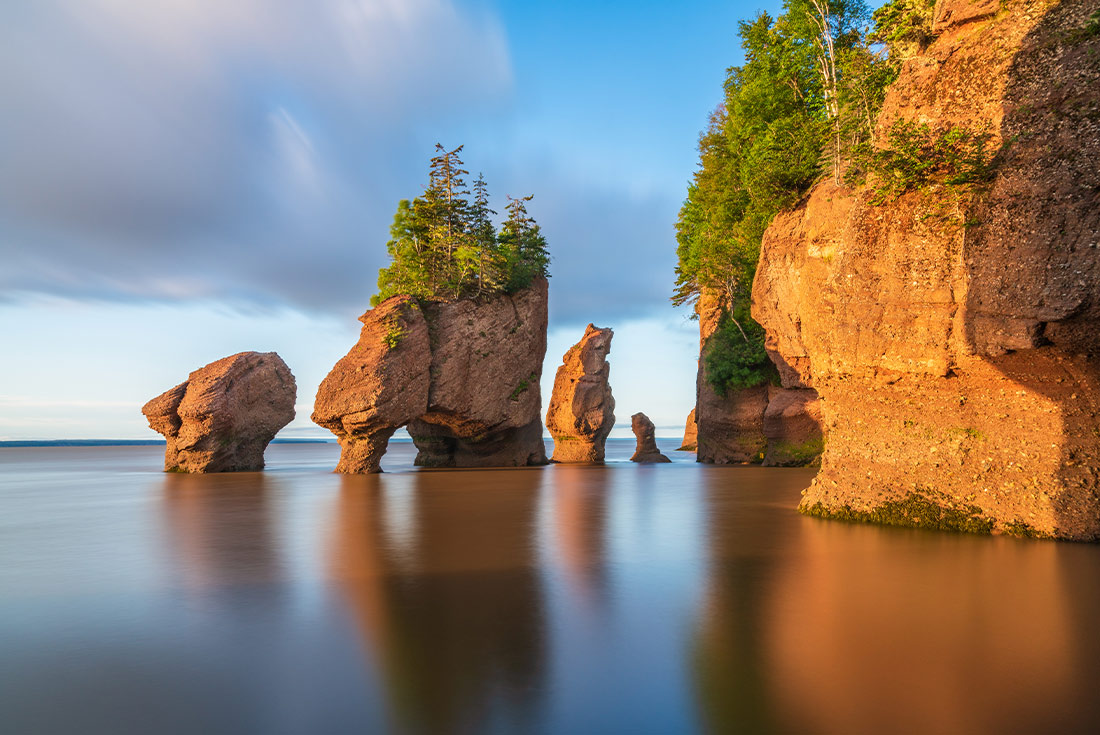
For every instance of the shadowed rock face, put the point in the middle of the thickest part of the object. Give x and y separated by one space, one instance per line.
582 409
462 376
957 356
646 450
742 427
691 434
224 415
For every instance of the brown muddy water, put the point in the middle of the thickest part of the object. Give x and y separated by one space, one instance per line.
635 599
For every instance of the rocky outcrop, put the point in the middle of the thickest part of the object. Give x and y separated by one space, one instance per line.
582 409
646 450
463 376
691 434
956 352
736 428
224 415
792 426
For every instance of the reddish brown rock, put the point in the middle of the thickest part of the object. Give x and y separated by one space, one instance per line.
956 353
792 426
463 376
951 13
582 409
224 415
646 450
379 386
691 434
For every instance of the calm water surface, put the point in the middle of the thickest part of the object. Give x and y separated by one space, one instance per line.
640 599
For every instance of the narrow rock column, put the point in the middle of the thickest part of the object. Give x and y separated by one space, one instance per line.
582 409
647 450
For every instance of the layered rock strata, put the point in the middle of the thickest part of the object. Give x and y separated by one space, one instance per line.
691 434
463 376
582 409
224 415
952 332
646 450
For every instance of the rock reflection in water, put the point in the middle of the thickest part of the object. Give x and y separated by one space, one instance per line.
444 588
579 525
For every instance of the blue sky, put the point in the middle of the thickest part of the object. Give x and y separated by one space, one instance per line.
181 180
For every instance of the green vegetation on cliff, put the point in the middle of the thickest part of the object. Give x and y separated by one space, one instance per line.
443 246
804 100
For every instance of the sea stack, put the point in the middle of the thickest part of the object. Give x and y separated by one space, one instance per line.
463 376
646 450
224 415
582 409
951 328
691 434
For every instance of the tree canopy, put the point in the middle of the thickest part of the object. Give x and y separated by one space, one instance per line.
443 245
805 98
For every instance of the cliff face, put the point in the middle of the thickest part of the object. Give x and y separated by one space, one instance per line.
462 376
224 415
956 351
744 427
582 409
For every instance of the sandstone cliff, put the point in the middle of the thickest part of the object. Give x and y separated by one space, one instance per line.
952 333
582 409
224 415
740 427
463 376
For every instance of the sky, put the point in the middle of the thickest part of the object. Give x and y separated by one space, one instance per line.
181 180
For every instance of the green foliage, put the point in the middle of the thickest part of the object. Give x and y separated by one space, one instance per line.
523 386
443 246
734 356
904 26
915 157
782 124
395 333
921 509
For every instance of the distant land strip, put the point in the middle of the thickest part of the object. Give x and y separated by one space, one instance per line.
129 442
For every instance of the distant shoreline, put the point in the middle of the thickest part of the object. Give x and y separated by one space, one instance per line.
127 442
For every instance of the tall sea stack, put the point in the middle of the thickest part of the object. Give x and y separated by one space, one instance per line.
582 409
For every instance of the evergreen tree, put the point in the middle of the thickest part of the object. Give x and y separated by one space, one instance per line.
443 246
804 100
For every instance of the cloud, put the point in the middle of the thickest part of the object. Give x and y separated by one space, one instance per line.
213 149
251 152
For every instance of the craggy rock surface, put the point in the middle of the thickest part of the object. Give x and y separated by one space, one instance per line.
691 434
792 426
224 415
462 376
379 386
736 429
957 356
646 450
582 409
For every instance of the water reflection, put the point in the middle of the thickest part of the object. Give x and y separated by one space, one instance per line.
937 633
444 587
220 529
579 526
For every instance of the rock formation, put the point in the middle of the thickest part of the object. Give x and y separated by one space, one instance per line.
736 428
646 450
956 352
463 376
691 434
224 415
582 409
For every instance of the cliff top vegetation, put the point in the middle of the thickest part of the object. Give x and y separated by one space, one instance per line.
444 246
797 110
